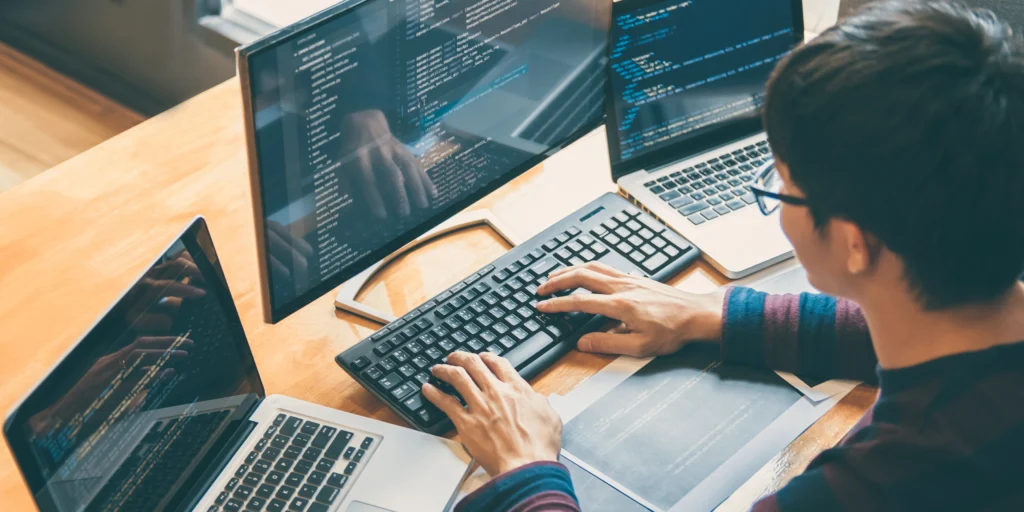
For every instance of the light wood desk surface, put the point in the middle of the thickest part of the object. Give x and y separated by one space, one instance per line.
74 238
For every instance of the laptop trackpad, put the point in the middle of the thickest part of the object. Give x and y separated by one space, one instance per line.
358 506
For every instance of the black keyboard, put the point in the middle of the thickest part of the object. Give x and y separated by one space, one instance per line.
494 309
715 187
298 465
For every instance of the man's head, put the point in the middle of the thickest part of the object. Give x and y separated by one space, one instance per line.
903 126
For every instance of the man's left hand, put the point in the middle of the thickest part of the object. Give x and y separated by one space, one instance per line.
505 424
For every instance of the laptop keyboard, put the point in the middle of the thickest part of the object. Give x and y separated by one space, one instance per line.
298 465
713 188
494 310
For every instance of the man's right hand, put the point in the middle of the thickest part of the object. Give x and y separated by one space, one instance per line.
656 319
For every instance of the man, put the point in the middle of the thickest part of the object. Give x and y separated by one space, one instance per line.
899 143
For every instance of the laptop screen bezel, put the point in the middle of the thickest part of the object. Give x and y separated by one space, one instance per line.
723 134
196 238
272 314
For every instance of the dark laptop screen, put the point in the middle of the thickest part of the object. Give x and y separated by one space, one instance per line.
683 68
132 417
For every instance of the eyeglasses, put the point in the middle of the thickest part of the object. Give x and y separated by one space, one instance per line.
766 190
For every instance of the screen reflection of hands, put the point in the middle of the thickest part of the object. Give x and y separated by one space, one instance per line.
154 302
147 358
389 176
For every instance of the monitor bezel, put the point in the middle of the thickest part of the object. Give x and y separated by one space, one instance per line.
724 134
197 238
284 35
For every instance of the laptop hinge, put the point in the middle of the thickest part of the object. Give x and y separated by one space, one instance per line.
223 457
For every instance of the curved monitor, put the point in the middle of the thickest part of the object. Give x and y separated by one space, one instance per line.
374 121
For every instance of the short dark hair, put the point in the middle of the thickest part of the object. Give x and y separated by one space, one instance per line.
907 119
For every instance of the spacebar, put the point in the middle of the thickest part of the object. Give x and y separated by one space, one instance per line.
533 345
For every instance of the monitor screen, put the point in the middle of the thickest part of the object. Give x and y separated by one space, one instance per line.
132 417
373 123
680 69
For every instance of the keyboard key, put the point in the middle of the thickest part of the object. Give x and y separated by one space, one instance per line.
736 204
261 466
327 495
303 466
722 209
412 404
402 391
696 219
276 506
234 481
709 214
324 465
312 454
262 443
249 459
323 437
693 208
527 349
317 507
271 430
317 477
714 201
681 202
275 478
221 498
360 363
337 480
307 491
407 370
373 373
657 190
283 465
233 505
349 452
292 452
294 480
243 492
252 479
265 491
389 381
652 264
351 468
298 504
291 425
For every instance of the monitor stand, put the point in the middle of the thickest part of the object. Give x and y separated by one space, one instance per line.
346 298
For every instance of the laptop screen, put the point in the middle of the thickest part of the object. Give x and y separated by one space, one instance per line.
680 69
140 408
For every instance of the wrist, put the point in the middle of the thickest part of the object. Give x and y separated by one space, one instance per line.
708 320
509 465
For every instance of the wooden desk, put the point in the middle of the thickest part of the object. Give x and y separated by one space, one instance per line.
72 239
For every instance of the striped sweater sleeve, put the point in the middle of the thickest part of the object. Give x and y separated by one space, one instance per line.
537 487
807 334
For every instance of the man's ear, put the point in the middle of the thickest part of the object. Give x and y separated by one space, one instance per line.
861 247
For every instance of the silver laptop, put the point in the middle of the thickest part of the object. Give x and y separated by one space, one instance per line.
685 87
160 407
